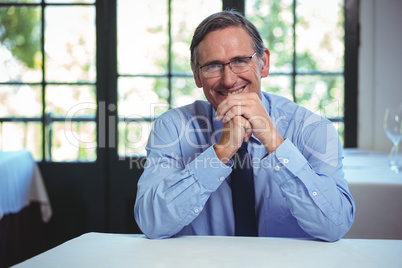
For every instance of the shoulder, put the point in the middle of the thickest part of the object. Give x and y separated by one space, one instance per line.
286 110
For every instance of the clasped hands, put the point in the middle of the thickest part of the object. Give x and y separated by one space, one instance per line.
243 115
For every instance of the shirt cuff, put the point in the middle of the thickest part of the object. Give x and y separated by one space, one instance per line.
209 170
285 161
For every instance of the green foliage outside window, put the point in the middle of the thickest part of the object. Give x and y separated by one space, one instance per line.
20 34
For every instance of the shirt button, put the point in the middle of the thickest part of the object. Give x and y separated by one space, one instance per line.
196 210
277 168
285 160
222 178
315 193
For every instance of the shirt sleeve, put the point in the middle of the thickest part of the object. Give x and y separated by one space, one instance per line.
172 191
312 180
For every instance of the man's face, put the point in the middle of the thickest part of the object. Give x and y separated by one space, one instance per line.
223 46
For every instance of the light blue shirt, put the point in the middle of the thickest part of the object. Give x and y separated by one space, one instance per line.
300 190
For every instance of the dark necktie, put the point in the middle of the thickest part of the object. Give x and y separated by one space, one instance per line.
243 194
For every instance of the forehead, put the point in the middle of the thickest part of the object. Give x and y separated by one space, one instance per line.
226 44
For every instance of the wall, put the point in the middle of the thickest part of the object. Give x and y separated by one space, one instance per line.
380 69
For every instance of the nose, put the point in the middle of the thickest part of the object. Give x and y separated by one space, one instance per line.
228 78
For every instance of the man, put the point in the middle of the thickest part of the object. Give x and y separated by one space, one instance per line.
296 156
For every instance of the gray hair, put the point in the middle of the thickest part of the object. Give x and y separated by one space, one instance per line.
219 21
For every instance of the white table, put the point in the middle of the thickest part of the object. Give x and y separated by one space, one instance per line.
377 192
125 250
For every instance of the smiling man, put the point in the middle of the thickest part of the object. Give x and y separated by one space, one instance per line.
294 156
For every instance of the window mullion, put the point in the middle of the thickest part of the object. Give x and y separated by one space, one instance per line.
169 53
234 4
43 82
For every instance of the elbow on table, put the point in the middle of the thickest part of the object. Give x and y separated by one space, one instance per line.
149 227
330 237
328 230
155 235
334 232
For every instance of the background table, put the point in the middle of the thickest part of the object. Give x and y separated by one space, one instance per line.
125 250
24 207
377 192
21 183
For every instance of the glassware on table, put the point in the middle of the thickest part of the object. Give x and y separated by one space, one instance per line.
393 129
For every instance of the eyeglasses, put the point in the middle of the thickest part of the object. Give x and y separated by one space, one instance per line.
237 66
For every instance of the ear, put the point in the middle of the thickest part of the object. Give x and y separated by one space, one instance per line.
265 63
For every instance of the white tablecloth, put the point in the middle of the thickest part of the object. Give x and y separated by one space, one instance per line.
124 250
377 192
21 183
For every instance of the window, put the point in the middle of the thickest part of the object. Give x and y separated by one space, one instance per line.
154 72
306 42
48 79
54 80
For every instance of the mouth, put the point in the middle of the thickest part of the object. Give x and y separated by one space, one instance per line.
231 93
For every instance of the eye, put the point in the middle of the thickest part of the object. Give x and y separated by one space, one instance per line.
212 67
241 61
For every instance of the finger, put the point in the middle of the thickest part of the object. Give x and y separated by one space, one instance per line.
248 133
228 103
247 128
236 110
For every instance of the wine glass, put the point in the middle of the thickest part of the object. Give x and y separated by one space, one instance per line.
393 129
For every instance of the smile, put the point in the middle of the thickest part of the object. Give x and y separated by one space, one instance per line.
231 93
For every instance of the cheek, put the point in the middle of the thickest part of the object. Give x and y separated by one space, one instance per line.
255 75
209 86
212 97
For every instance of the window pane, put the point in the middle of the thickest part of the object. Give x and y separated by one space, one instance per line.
71 101
72 141
133 137
142 36
20 44
20 135
70 43
34 140
184 91
142 97
20 101
71 129
321 94
320 35
186 15
278 84
274 20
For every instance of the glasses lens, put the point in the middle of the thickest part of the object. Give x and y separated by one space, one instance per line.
212 70
241 65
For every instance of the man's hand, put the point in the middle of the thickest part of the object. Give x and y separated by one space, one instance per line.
234 133
236 109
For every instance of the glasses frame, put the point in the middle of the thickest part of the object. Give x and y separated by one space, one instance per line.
223 66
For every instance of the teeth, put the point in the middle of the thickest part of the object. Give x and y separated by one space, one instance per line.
231 93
